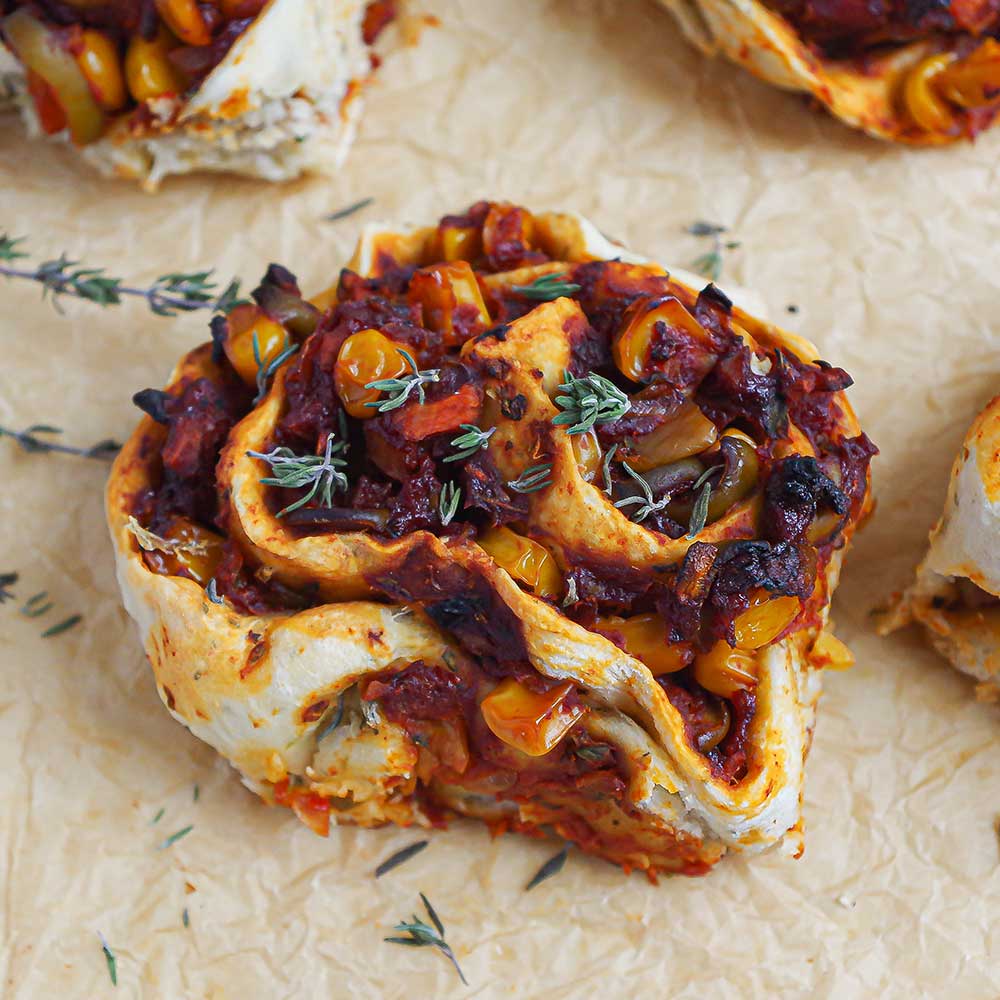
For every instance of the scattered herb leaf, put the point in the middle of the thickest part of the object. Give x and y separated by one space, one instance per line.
109 957
400 857
174 837
348 210
596 754
159 815
266 369
320 472
196 793
448 501
547 287
606 469
334 720
588 401
647 504
398 389
29 440
551 867
709 265
422 935
64 626
212 592
7 580
474 439
699 513
533 479
34 607
185 918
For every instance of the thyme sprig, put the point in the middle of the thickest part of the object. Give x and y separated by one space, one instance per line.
709 265
398 389
168 295
423 935
30 441
699 513
448 501
267 368
474 439
589 401
547 287
321 473
533 479
648 505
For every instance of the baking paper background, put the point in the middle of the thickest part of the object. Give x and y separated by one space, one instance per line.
892 259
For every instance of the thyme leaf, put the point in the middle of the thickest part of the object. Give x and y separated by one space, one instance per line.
400 857
347 210
174 837
335 718
212 592
423 935
647 504
606 469
448 501
547 287
398 389
474 439
699 513
159 815
185 918
109 957
36 605
168 295
551 867
589 401
30 441
7 580
533 479
321 473
64 626
266 369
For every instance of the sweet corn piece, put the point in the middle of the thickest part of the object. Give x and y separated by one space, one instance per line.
365 357
524 559
724 671
530 721
100 62
765 619
243 323
974 80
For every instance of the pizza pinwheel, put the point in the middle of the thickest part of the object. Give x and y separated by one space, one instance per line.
920 73
148 88
510 524
956 594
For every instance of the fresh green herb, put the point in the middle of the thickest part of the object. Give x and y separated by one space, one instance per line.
588 401
167 296
109 957
159 815
599 754
7 580
64 626
321 473
334 719
699 513
400 857
34 607
174 837
647 504
606 469
398 389
348 210
533 479
551 867
709 264
29 440
474 439
547 287
266 369
422 935
185 918
196 793
212 592
448 501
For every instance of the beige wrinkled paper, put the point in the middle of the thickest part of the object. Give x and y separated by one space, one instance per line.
891 257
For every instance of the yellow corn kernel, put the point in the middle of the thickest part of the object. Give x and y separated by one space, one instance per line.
923 103
530 721
366 356
525 560
646 639
724 671
451 301
148 71
765 619
460 242
686 432
242 324
631 347
830 653
974 80
197 553
101 64
185 20
587 451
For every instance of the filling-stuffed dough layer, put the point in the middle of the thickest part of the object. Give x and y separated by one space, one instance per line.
509 523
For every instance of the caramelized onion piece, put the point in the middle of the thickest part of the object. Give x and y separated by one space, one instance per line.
923 102
685 432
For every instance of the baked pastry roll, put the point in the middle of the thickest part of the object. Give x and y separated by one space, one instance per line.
148 88
956 594
925 74
511 524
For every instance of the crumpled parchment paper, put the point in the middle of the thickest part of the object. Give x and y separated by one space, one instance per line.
890 257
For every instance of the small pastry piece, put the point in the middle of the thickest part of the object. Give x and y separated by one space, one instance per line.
509 523
925 74
956 594
267 88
